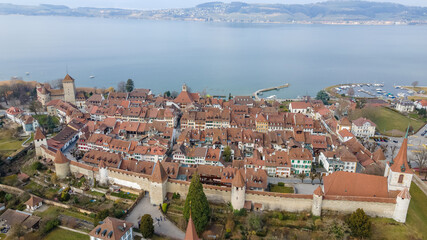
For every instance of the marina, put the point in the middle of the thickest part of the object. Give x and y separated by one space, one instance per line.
382 91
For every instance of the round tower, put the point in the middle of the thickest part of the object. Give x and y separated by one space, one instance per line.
158 186
39 140
402 204
103 173
316 206
238 191
62 165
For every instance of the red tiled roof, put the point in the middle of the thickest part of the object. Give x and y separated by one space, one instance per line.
191 233
401 159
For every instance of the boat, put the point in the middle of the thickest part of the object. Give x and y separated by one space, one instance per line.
401 94
91 76
272 97
397 87
27 73
378 89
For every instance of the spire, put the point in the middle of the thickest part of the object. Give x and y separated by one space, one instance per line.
60 157
407 130
39 135
190 233
159 175
400 162
238 179
318 191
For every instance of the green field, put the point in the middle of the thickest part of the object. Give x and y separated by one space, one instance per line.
281 189
63 234
417 213
387 120
54 212
8 143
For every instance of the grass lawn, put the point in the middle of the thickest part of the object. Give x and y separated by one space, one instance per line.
281 189
417 213
11 180
95 193
53 212
125 195
387 119
63 234
43 118
8 143
2 236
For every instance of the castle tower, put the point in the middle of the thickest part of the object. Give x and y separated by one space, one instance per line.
69 89
397 171
103 173
238 191
62 165
316 207
190 233
402 204
39 140
159 179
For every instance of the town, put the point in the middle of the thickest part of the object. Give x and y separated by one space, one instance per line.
130 164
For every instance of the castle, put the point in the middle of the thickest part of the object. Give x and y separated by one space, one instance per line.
383 196
45 93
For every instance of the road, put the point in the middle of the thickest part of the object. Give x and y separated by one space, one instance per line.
165 228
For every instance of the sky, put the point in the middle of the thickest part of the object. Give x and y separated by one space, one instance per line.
158 4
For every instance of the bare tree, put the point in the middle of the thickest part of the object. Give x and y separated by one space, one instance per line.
302 177
121 86
174 94
320 177
312 176
393 149
57 83
350 92
414 84
421 160
343 107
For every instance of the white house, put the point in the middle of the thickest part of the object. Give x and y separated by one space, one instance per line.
405 106
363 127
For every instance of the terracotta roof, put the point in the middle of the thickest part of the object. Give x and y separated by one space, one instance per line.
191 233
404 194
342 183
360 121
299 105
159 174
60 157
238 180
379 155
33 201
318 191
344 122
345 133
68 78
400 162
111 229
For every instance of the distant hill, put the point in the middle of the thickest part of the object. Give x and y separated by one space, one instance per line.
324 12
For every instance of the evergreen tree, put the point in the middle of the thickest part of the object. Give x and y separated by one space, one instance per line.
129 85
360 224
197 201
227 154
323 95
146 226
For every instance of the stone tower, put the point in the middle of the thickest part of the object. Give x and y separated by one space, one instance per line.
402 204
316 207
103 173
238 191
159 179
62 165
39 140
69 89
397 171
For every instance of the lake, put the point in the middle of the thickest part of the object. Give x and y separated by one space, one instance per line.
218 57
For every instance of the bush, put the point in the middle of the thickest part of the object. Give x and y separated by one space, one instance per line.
118 213
359 224
176 196
37 166
280 184
240 213
50 225
146 226
165 207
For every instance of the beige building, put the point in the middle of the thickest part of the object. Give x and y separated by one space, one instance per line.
45 93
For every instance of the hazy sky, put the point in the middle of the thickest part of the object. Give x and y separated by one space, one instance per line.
156 4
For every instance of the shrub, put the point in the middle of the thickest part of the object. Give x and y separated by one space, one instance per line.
280 184
240 213
50 225
118 213
176 196
37 166
359 224
146 226
165 207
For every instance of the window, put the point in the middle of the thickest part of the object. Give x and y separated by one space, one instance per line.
401 178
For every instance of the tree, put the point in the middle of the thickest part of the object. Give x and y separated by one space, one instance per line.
323 95
350 92
360 224
302 176
129 85
146 226
167 94
227 154
198 204
35 107
100 216
414 84
17 231
320 177
393 150
57 83
255 222
110 89
121 87
421 160
174 94
312 176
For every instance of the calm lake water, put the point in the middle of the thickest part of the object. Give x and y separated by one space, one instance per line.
218 57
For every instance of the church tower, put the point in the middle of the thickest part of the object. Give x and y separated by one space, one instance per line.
238 191
69 89
397 171
184 88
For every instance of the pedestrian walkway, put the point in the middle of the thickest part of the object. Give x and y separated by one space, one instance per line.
161 225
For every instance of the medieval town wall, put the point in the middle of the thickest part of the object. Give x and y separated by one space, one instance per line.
375 208
281 201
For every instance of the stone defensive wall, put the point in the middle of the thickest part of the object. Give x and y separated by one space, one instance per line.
376 207
281 201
